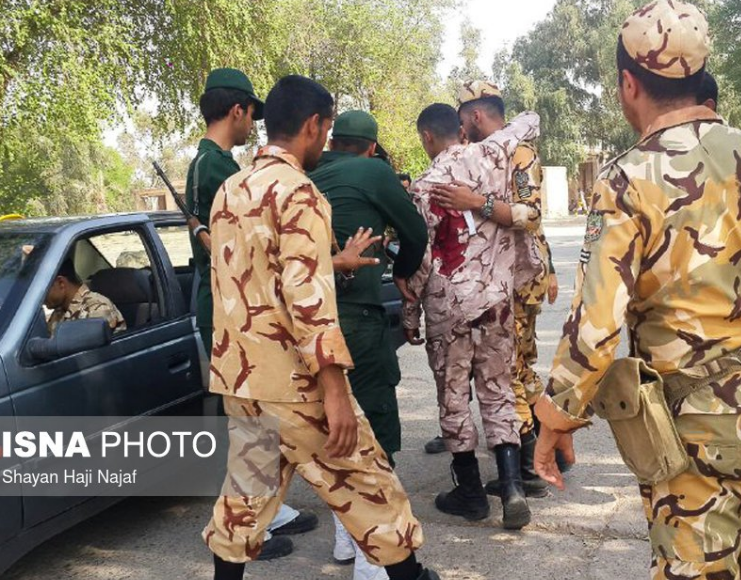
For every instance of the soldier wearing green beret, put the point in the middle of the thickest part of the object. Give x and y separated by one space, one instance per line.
662 254
229 106
364 192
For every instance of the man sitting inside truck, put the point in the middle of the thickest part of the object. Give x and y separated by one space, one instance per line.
70 299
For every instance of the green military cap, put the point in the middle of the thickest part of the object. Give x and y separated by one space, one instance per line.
231 78
358 125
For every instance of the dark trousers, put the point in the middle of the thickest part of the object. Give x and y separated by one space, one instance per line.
373 381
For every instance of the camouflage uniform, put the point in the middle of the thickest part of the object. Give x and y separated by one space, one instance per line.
275 328
663 252
527 177
465 284
88 304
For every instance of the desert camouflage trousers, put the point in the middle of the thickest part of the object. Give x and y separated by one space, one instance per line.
695 519
362 489
485 350
526 382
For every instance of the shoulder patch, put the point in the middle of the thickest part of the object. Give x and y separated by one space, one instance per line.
595 223
521 181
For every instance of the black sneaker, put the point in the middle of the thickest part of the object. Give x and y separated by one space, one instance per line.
275 548
304 522
435 446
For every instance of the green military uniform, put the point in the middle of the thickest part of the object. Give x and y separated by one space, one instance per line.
208 170
367 193
663 253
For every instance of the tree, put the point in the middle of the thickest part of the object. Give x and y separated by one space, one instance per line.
565 69
470 51
67 70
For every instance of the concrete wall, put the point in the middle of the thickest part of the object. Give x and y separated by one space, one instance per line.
555 192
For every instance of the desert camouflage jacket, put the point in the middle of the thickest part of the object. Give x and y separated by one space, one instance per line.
663 252
527 177
88 304
275 309
470 264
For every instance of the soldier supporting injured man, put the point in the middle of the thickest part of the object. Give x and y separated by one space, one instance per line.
465 288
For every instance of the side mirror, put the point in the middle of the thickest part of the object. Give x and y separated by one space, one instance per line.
71 337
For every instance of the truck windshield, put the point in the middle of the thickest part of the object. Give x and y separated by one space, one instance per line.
20 255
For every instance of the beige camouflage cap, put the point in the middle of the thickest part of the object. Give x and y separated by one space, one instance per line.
668 38
474 90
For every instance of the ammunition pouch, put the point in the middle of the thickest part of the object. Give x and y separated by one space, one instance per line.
631 399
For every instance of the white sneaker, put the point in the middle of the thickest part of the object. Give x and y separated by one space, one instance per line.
364 570
344 546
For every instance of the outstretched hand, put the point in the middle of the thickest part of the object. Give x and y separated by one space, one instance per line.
351 258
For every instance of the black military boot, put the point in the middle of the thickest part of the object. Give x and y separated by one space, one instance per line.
227 570
468 498
531 482
516 510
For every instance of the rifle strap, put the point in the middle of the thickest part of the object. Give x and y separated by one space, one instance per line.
195 185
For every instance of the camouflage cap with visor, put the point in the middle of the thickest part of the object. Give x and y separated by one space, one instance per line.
231 78
475 90
668 38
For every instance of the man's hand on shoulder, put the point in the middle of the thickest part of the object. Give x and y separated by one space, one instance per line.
457 196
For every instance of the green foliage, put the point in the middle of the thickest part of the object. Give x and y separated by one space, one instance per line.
565 70
71 175
68 68
470 50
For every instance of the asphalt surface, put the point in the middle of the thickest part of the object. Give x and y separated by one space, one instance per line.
593 530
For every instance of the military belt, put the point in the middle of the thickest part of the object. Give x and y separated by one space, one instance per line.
682 383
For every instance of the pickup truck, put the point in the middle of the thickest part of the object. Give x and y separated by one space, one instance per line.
143 263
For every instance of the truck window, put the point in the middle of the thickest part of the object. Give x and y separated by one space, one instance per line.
177 243
20 255
118 266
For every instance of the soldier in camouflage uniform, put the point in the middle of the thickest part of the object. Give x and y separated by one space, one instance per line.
481 111
465 287
662 252
70 299
279 351
229 108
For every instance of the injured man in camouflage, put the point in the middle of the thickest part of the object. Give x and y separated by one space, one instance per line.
70 299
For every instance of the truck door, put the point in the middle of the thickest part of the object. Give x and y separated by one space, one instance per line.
149 368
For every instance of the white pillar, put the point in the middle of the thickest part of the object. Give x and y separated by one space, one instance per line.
555 192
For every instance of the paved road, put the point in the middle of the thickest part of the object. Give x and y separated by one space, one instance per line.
594 530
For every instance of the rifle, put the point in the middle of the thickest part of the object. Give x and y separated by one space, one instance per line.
203 236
